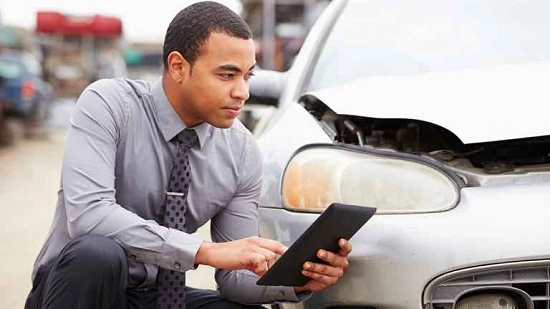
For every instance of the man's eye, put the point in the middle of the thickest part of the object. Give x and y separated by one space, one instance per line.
226 76
248 76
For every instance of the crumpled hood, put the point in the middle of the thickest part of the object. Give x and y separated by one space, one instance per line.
478 105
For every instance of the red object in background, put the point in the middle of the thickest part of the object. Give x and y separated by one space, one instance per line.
93 25
27 90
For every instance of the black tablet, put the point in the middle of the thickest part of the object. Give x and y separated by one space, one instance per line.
337 221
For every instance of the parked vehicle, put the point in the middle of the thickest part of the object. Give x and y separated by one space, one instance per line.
433 112
22 92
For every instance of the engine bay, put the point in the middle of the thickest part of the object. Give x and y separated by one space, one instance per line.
424 138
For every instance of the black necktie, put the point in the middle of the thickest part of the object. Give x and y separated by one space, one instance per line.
171 284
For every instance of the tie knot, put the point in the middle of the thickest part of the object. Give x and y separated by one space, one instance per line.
187 138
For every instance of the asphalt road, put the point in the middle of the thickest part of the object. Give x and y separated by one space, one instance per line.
28 191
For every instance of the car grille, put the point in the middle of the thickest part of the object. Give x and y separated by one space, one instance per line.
527 280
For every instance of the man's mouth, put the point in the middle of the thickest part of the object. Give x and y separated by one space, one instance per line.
233 111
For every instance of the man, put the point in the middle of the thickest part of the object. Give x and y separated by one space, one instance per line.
146 165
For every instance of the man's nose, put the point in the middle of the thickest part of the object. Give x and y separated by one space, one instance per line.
240 91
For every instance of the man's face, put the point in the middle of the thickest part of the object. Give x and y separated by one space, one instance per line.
217 86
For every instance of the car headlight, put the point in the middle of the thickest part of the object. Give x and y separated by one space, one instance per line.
317 176
487 301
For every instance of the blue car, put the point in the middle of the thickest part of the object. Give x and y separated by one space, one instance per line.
22 92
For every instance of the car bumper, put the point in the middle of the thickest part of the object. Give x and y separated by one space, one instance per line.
17 107
396 256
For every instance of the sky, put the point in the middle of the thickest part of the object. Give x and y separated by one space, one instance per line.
142 21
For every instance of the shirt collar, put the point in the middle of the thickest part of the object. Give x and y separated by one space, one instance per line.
169 122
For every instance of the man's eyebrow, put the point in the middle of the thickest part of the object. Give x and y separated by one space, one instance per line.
232 68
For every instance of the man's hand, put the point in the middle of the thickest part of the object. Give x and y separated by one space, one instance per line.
323 275
253 253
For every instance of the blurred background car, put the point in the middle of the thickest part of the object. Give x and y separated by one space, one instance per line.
432 112
23 93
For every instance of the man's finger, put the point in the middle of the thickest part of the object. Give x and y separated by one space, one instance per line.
258 263
345 247
270 256
269 244
333 258
325 280
261 269
324 269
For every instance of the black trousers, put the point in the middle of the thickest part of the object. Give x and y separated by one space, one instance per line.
91 272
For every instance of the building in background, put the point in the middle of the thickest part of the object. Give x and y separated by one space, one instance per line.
78 50
279 28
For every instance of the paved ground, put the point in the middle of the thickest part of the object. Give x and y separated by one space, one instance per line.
28 186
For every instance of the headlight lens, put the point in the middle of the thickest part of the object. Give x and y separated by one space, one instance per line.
487 301
319 176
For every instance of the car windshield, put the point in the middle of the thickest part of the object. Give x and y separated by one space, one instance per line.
10 69
400 37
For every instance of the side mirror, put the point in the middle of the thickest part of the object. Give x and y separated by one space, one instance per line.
266 87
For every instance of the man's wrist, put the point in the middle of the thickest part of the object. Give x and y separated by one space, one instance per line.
203 254
299 289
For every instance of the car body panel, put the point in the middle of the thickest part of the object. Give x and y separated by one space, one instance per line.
279 143
408 251
299 72
459 93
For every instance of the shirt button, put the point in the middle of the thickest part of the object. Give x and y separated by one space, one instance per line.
177 265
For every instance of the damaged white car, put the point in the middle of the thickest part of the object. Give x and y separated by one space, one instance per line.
435 112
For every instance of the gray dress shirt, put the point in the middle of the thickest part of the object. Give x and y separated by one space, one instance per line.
116 166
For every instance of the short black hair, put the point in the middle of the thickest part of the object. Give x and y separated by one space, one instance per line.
192 26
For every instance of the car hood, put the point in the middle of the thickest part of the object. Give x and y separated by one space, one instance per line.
477 105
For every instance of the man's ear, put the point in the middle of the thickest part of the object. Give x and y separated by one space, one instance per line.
178 67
